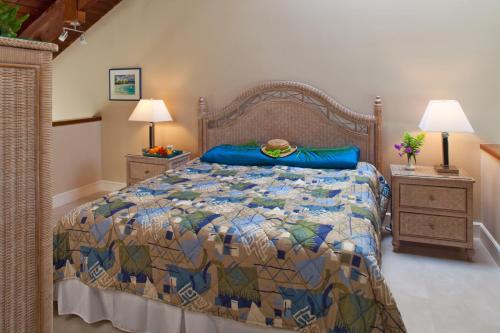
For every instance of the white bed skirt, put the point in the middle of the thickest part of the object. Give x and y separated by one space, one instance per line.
133 313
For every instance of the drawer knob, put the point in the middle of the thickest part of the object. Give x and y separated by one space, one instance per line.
431 226
432 198
146 172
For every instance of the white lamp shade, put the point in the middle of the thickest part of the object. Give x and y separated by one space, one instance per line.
445 116
151 110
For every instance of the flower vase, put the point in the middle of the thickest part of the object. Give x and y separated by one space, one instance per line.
410 165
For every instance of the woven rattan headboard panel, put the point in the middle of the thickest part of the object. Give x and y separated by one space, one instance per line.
294 111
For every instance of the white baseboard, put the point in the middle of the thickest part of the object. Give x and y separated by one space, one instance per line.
109 186
481 232
64 198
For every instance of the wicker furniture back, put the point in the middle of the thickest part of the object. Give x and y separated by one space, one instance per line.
25 186
294 111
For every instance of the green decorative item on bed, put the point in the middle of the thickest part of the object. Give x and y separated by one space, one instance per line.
305 157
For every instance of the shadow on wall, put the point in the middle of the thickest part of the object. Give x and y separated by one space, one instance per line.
77 155
131 137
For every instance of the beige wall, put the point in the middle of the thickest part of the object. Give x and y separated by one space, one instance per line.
406 51
490 193
77 151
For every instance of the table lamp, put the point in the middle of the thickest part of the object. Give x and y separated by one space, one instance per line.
445 116
152 111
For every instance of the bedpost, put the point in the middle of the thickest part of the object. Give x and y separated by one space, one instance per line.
377 109
202 125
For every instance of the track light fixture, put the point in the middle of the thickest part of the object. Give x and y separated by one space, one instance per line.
83 39
65 33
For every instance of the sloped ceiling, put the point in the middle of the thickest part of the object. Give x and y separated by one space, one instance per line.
48 17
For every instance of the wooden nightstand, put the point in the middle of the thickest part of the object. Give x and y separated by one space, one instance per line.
141 167
432 208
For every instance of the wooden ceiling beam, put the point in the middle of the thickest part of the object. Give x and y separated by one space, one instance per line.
48 17
48 25
72 12
30 3
32 7
86 4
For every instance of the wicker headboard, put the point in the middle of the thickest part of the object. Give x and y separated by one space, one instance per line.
294 111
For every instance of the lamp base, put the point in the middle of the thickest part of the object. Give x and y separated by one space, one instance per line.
151 135
449 169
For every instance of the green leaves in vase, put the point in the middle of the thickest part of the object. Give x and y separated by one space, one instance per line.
10 23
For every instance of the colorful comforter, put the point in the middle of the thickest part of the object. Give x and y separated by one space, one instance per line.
275 246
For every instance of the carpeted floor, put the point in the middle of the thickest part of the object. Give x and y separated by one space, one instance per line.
436 290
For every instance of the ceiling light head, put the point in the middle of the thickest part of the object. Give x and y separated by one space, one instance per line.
75 24
64 35
83 39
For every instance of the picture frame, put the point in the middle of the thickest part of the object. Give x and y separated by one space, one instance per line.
125 84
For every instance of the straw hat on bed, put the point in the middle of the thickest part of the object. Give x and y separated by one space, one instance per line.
278 148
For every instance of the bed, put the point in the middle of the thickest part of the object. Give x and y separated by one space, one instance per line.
224 248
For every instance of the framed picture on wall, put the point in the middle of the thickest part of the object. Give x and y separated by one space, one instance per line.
125 84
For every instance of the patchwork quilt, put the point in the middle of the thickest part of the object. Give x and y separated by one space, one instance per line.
278 246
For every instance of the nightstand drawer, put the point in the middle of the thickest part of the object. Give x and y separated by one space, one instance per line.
141 167
144 171
433 226
436 197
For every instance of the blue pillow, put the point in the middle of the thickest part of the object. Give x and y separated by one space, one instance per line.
316 158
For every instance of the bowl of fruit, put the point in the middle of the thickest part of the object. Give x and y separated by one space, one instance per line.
161 151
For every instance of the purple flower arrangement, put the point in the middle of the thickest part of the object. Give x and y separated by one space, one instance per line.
410 146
